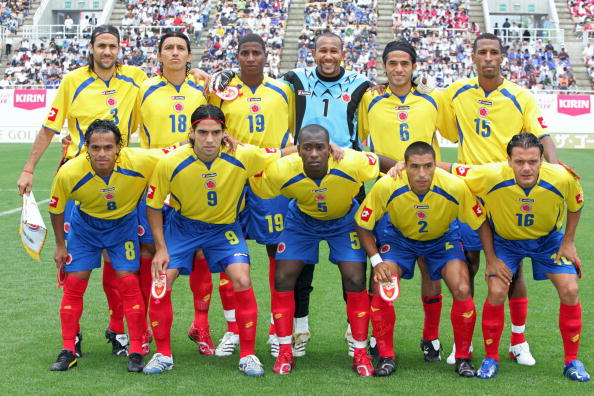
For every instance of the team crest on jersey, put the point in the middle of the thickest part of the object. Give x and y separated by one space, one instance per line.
141 230
66 226
385 248
281 247
320 197
346 97
109 196
68 259
178 106
483 112
52 114
526 208
579 198
421 215
111 102
462 170
210 184
255 108
151 192
54 202
402 115
366 213
371 158
230 93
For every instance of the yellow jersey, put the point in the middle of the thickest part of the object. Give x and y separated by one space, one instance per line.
165 111
517 213
83 97
325 199
393 122
107 198
261 116
484 122
422 218
210 192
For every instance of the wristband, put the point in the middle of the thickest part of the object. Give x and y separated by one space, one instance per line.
375 260
27 171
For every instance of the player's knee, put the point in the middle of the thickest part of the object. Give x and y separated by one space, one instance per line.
283 282
354 283
461 291
242 282
147 250
568 294
497 293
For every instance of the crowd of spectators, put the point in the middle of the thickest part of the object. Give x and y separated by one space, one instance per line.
236 18
354 21
450 14
582 12
13 13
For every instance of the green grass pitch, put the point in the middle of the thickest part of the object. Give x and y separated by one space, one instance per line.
30 329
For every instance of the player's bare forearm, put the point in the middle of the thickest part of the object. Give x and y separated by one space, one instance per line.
567 248
42 141
446 166
367 241
550 152
155 219
573 218
60 252
386 163
486 236
495 266
288 150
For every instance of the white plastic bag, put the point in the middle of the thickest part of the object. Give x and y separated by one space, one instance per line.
32 228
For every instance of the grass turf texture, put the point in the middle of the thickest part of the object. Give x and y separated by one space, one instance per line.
30 325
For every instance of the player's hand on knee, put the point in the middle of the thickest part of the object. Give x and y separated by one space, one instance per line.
25 182
382 272
497 268
568 252
395 172
336 151
424 83
220 80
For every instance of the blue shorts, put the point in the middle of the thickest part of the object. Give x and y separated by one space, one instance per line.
302 235
144 230
541 251
263 219
70 205
89 235
470 237
404 251
222 244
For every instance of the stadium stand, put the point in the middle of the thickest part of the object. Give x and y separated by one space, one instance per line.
582 13
354 21
13 13
236 18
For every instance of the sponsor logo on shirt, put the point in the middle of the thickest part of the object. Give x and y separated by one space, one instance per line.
254 99
53 114
485 102
151 192
579 198
421 206
462 170
207 175
107 189
366 213
271 150
178 98
320 190
542 123
371 158
402 107
107 93
526 200
478 211
54 202
303 93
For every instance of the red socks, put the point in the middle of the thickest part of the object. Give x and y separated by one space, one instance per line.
146 279
114 301
518 311
357 306
432 309
228 302
161 315
570 324
71 309
463 317
201 285
271 272
134 309
247 320
283 311
493 320
383 318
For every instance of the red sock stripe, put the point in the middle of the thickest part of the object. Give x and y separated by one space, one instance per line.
518 312
432 309
227 299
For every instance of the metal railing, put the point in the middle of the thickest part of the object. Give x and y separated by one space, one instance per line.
60 31
557 36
